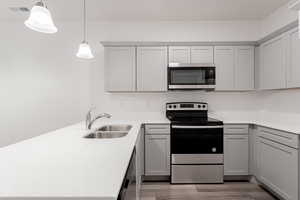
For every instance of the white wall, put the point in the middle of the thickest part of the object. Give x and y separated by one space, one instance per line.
43 86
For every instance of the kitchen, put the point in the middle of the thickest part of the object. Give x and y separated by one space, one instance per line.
47 91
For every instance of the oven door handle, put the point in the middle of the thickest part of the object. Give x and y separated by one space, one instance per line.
195 127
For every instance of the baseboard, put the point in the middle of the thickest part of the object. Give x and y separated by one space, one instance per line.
156 178
237 178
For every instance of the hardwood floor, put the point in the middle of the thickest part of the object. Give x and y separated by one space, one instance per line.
227 191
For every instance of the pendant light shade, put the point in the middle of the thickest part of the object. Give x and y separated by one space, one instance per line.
84 50
40 19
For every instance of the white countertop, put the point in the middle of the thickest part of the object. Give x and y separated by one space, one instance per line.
283 122
63 164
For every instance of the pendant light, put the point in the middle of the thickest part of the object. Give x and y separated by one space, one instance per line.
84 50
40 19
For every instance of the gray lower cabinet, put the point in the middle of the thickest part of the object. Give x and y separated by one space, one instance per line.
236 155
139 160
157 150
254 151
278 162
236 150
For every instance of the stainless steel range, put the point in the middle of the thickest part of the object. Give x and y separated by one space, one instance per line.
196 144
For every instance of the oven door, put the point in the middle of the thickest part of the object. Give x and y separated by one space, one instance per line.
196 139
191 77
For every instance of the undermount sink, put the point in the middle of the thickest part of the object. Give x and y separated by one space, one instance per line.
125 128
109 131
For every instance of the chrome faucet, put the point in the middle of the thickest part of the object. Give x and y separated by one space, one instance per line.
89 121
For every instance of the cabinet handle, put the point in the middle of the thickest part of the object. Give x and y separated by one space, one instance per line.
156 128
196 127
275 147
157 138
236 138
268 132
236 128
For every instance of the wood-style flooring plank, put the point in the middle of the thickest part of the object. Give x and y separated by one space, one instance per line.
227 191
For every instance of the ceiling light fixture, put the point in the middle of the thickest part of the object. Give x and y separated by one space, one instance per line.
40 19
295 5
84 50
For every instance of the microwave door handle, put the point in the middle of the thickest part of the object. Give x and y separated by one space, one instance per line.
195 127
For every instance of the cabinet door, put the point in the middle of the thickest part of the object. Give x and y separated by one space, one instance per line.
293 70
157 161
253 147
273 64
244 68
279 168
225 73
139 161
152 68
179 54
202 54
236 150
120 69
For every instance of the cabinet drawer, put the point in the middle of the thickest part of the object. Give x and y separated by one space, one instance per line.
281 137
157 129
236 129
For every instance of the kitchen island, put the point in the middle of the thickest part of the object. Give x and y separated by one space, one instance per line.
64 165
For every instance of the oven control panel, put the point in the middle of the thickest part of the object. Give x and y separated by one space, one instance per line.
187 106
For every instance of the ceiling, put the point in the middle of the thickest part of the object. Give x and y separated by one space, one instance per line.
150 10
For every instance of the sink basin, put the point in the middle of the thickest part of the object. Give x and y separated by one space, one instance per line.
106 134
109 131
124 128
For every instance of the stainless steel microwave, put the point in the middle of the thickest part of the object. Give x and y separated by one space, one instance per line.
200 76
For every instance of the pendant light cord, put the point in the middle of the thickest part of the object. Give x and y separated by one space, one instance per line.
84 21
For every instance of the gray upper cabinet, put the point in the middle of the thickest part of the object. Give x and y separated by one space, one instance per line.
224 61
235 67
120 69
244 68
152 63
273 63
179 54
293 70
193 54
202 54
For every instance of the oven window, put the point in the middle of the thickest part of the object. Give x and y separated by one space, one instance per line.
191 76
197 141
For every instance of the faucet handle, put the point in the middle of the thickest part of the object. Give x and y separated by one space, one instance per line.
107 115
